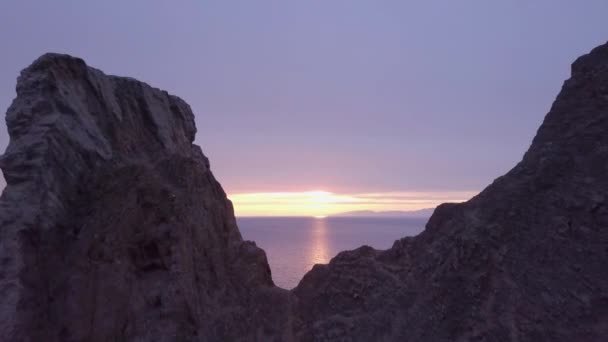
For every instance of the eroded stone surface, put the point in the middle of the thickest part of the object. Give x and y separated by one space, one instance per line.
113 228
525 260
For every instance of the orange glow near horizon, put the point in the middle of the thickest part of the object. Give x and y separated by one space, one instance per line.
319 203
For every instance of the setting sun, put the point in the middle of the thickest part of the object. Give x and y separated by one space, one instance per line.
320 203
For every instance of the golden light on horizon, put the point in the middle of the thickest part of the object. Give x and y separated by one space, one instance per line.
321 203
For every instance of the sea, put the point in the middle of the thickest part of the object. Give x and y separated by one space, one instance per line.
294 244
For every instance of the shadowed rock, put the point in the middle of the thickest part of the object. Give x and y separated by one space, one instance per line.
525 260
112 228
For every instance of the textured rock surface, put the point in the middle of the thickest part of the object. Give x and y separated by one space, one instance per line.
525 260
112 226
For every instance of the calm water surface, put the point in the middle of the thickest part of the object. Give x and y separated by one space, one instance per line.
294 244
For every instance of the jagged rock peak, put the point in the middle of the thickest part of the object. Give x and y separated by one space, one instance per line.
112 226
525 260
594 62
61 84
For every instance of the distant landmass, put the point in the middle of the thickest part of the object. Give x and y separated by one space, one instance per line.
421 213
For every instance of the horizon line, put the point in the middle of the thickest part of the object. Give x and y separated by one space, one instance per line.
325 203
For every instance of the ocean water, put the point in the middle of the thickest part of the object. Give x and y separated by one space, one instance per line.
294 244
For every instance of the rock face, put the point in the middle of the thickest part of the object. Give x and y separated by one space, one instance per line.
112 228
525 260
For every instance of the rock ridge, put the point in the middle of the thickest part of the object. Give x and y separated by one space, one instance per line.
112 227
525 260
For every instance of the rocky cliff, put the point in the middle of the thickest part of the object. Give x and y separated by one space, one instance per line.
112 228
525 260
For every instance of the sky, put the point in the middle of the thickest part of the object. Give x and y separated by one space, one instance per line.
314 107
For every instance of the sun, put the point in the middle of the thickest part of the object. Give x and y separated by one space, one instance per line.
318 203
320 196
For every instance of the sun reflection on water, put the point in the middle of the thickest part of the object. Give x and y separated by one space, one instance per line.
319 251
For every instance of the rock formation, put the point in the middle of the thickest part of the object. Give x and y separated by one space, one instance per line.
525 260
112 228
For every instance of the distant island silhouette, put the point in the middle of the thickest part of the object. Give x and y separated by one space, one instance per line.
421 213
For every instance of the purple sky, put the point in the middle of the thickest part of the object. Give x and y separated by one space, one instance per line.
345 96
